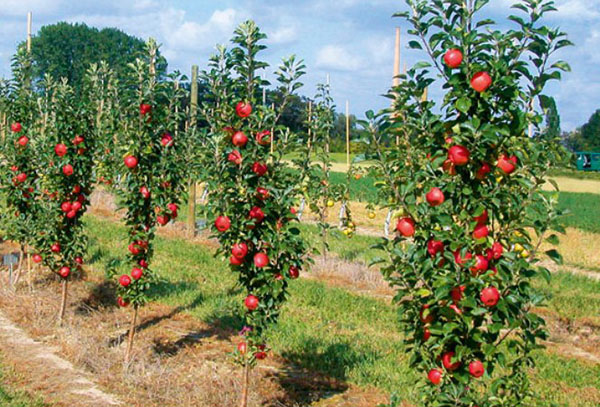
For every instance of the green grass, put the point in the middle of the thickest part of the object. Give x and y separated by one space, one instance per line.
11 397
572 173
584 210
331 330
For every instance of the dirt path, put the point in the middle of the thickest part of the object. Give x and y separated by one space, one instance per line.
49 373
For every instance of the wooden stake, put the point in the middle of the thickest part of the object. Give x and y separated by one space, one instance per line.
29 19
348 134
63 302
309 124
192 183
396 80
272 133
245 383
131 335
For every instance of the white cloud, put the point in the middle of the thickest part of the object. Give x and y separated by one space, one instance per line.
337 58
283 35
577 10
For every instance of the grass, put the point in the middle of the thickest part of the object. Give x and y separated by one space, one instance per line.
571 173
333 331
584 210
10 397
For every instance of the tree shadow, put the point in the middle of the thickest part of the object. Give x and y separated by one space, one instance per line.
150 322
312 374
102 295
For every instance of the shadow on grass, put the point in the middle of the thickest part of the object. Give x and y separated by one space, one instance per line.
313 374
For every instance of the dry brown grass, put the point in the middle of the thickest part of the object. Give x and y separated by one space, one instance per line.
575 185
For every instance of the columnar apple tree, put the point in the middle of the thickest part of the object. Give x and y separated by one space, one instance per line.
66 152
469 184
151 174
19 169
251 191
315 160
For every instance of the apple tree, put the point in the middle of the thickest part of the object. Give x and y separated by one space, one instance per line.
469 181
150 142
18 156
315 160
252 192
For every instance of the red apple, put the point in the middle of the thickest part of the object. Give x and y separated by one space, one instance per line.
130 161
239 250
476 369
489 296
406 227
14 168
481 81
234 261
77 189
71 214
262 193
449 167
145 192
482 219
243 109
122 302
426 334
260 355
162 220
263 137
447 361
60 150
242 347
434 247
480 232
251 302
435 376
22 177
16 127
425 315
235 157
172 207
496 251
458 155
66 206
261 259
507 164
79 260
259 169
222 223
481 265
136 273
134 249
143 263
483 171
435 197
77 140
64 272
457 293
166 140
76 206
461 261
257 214
145 109
239 139
36 258
294 272
55 248
67 170
453 58
23 140
125 280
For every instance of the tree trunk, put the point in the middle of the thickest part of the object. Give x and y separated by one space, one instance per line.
244 399
131 335
63 302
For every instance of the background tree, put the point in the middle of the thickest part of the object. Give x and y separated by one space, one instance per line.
66 50
587 137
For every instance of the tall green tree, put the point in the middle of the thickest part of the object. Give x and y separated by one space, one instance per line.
587 137
66 50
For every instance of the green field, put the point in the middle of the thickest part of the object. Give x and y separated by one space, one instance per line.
13 398
332 330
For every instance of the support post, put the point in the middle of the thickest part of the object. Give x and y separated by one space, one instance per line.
192 183
348 134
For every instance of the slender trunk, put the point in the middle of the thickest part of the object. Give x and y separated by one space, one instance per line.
63 302
17 274
29 272
244 399
131 335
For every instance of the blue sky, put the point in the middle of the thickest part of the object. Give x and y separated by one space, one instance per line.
352 40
